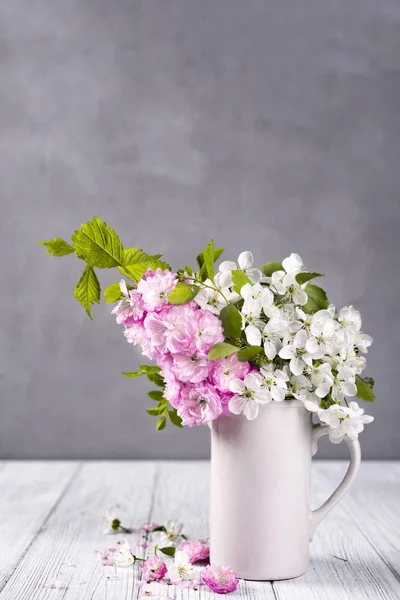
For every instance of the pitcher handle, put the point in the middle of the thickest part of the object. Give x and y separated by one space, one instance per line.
355 460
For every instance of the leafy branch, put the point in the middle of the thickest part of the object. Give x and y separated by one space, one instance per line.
99 246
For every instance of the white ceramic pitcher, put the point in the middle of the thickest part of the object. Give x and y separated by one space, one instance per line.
261 523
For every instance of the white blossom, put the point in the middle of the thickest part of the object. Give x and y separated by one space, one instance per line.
248 395
298 354
211 299
344 421
274 382
245 263
181 568
172 536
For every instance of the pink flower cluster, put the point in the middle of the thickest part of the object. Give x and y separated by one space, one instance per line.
179 339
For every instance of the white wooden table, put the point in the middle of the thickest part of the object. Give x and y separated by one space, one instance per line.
50 528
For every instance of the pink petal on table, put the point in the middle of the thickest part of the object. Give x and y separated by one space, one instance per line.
78 582
113 578
52 584
142 544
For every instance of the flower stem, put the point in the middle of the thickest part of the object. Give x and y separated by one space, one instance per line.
215 289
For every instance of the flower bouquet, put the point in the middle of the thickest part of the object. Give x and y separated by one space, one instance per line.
231 340
259 355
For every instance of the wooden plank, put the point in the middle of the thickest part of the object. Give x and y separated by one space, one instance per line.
344 565
182 494
75 531
374 504
28 493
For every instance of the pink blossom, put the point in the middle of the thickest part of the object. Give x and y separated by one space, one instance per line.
193 368
135 334
227 369
225 398
208 331
154 568
155 330
195 549
131 306
220 579
148 527
199 404
106 557
180 323
155 287
172 384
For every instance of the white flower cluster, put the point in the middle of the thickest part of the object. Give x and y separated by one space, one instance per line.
313 357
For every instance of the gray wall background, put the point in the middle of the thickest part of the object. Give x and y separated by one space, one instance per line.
272 126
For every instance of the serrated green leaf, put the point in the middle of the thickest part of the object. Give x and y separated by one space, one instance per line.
98 244
112 293
58 247
168 550
271 267
304 276
183 293
87 290
317 298
158 410
202 274
209 260
231 320
156 379
155 395
221 351
250 353
131 256
175 418
364 390
239 279
161 423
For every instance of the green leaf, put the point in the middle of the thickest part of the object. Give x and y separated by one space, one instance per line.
156 379
161 423
221 351
271 267
131 374
303 277
202 274
209 260
250 353
155 395
87 289
160 528
175 418
239 279
97 244
317 298
231 321
144 370
364 389
112 293
158 410
58 247
131 256
149 369
188 270
168 550
183 293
